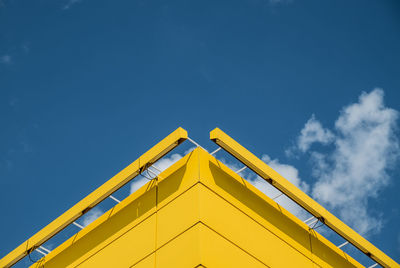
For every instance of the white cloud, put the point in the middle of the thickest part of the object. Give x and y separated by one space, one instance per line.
291 174
351 173
137 183
6 59
287 171
313 132
91 216
355 170
166 162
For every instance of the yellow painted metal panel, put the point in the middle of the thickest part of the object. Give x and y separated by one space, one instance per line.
181 252
261 242
178 178
256 205
248 234
127 249
148 262
178 216
135 207
218 252
201 246
266 172
236 190
151 156
182 212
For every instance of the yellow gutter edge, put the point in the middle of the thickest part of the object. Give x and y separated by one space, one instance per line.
294 193
98 195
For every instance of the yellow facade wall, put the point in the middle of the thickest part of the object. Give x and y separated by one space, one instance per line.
198 213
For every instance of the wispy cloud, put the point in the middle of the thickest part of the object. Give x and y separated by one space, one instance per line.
70 3
275 2
13 102
355 170
25 47
6 59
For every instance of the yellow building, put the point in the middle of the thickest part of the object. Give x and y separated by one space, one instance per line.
196 213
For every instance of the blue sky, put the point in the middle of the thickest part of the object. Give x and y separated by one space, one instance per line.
87 86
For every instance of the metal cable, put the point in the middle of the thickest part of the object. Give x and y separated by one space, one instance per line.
217 150
195 143
240 170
